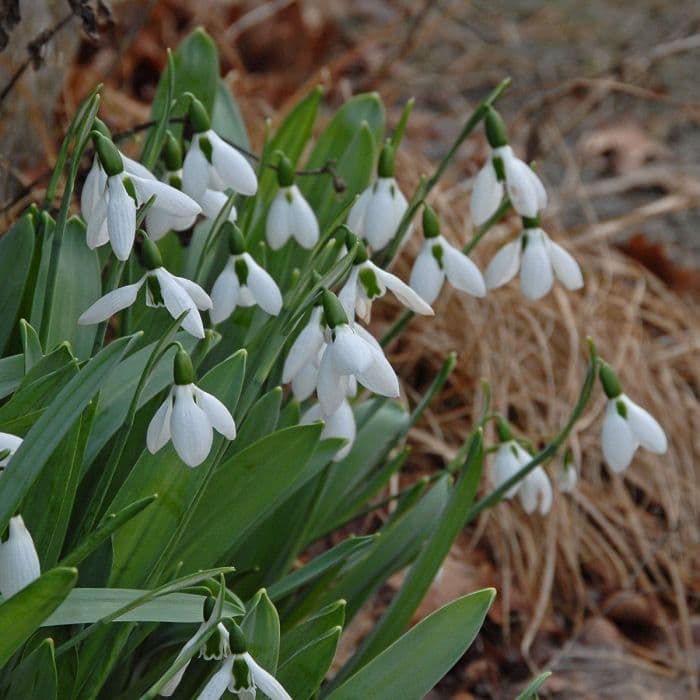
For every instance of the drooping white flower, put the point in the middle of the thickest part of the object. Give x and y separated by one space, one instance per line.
350 352
510 459
567 477
304 351
367 282
9 444
176 294
340 424
290 216
19 562
504 172
536 492
376 215
188 417
539 260
439 260
243 282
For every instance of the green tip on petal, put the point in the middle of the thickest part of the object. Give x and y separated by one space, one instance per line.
182 368
333 310
503 429
385 167
152 258
236 240
285 171
496 131
431 225
172 153
108 154
609 380
199 117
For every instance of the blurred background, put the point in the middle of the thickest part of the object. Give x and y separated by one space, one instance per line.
604 590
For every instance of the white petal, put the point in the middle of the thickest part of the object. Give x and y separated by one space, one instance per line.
198 295
159 222
158 432
195 171
347 296
190 428
231 166
278 224
167 198
565 267
349 352
462 273
265 681
97 233
567 478
305 382
264 289
212 202
219 416
507 463
19 563
332 386
218 683
504 265
313 415
645 427
110 303
133 167
93 188
409 298
171 686
487 195
304 348
224 293
341 424
427 276
536 490
618 441
536 274
524 187
304 225
380 222
9 442
379 376
121 218
177 300
356 217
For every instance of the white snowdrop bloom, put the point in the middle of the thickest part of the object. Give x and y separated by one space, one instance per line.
188 417
291 216
340 424
376 215
367 282
305 348
504 172
439 260
567 477
350 352
510 459
536 492
243 282
539 260
19 562
9 444
176 294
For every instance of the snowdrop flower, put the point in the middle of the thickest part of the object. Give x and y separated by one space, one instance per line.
19 562
241 674
304 357
290 215
567 476
211 163
177 294
539 260
510 459
626 425
368 282
525 189
9 444
111 212
340 424
350 352
536 492
188 417
437 260
242 282
376 215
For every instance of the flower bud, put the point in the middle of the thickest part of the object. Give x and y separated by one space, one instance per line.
107 152
333 310
285 171
182 368
609 380
199 118
431 225
385 167
496 132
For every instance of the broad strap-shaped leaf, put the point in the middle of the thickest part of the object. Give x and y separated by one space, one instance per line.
261 626
36 676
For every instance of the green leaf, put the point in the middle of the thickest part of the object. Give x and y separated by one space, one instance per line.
36 675
55 422
11 373
261 626
531 691
22 614
261 419
88 605
226 118
411 666
16 250
30 344
316 626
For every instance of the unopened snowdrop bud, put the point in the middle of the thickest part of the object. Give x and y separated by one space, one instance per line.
626 426
503 171
9 444
367 282
340 424
188 417
242 282
376 215
438 260
539 260
567 476
290 215
19 562
211 163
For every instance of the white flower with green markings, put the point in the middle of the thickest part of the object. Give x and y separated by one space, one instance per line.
438 260
188 417
19 562
176 294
